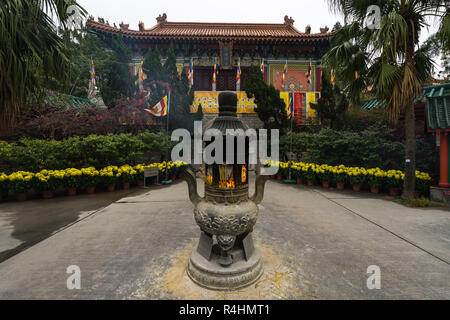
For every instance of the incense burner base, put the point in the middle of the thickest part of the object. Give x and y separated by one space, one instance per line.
211 275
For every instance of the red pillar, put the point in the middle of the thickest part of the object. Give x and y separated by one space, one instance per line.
443 181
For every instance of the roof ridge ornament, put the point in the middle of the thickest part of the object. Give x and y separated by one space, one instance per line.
324 30
288 20
124 27
308 29
141 26
162 18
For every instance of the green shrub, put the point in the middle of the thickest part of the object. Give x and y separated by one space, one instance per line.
78 152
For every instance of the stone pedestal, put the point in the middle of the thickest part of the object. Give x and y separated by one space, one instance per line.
440 195
205 267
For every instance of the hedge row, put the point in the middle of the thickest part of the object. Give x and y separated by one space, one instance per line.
371 148
79 152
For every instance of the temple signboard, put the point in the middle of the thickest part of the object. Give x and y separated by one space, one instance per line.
226 54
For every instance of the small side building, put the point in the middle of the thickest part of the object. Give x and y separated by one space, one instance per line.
437 106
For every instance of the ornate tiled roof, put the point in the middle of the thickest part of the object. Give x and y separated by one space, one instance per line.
437 100
215 31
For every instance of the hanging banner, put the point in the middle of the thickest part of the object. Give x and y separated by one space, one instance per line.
310 98
298 112
210 102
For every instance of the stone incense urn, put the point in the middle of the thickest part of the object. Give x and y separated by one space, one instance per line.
225 257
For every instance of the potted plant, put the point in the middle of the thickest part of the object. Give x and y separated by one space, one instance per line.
72 180
340 176
47 181
109 177
297 174
324 175
422 184
21 182
90 179
4 186
126 174
356 179
310 176
374 179
394 181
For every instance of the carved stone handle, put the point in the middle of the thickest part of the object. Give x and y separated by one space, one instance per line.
191 180
259 189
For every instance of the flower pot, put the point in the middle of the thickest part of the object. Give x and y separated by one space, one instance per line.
272 176
299 181
21 196
111 187
90 189
126 185
340 185
310 182
374 189
180 175
174 177
140 183
356 187
47 194
72 192
279 177
325 184
416 194
393 192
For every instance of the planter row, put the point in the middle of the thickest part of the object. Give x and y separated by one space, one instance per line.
341 186
47 194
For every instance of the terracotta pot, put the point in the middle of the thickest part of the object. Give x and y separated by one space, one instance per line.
272 176
111 187
310 182
21 196
47 194
356 187
393 192
417 194
90 189
126 185
140 183
72 192
340 185
180 175
279 177
325 184
374 189
174 177
299 181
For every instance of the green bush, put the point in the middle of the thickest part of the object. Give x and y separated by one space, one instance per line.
370 148
78 152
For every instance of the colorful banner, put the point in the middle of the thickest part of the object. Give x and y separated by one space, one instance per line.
298 114
210 102
310 98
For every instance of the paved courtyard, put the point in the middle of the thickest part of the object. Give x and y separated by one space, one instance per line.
315 243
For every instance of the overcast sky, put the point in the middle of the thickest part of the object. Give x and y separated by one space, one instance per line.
313 12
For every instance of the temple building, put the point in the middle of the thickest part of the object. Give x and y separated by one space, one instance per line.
229 46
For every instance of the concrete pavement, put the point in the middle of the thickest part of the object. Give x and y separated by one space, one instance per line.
315 243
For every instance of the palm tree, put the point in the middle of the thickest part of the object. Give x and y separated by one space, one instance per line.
388 59
29 49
